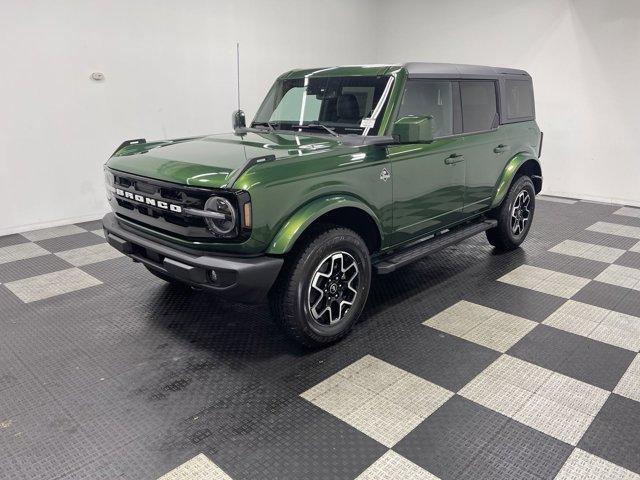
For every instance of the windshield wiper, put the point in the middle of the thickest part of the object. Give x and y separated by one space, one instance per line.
317 125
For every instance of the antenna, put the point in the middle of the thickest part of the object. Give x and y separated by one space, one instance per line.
238 70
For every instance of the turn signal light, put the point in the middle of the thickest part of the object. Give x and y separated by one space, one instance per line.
246 217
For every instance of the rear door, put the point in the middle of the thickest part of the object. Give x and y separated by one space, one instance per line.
428 179
486 145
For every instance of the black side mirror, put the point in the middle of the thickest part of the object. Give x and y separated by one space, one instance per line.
238 120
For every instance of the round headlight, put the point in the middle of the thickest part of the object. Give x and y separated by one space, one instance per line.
221 226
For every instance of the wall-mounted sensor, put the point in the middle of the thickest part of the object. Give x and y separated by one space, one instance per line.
97 76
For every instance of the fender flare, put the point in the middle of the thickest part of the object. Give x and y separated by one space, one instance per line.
304 216
509 173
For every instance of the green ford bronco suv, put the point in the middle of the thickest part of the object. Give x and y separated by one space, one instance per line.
344 171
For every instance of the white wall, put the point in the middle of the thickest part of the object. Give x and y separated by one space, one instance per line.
170 70
584 56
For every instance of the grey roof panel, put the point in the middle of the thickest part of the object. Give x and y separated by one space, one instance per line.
454 70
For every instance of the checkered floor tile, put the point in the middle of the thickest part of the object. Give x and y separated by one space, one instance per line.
198 468
466 365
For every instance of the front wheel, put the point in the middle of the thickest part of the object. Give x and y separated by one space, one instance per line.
323 287
514 215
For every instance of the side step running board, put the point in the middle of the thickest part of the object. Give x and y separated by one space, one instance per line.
399 259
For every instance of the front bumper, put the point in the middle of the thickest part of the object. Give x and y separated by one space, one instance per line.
243 279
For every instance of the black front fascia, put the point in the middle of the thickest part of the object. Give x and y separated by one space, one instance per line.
178 224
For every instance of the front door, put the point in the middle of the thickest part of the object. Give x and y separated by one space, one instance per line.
428 179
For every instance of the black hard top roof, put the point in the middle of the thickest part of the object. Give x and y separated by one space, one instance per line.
454 70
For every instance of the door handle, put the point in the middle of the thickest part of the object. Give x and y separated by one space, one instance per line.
501 148
454 158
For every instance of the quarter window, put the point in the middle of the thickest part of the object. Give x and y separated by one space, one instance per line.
426 97
519 97
479 108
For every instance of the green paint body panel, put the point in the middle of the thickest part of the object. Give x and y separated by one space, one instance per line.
312 174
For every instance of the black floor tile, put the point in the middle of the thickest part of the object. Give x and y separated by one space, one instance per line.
613 435
579 357
615 241
441 358
447 441
14 239
546 346
629 259
526 450
91 225
515 300
69 242
601 295
31 267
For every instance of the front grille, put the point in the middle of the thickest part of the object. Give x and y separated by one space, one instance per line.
178 224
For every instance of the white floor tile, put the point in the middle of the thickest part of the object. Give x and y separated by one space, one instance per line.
91 254
576 317
500 332
545 281
628 212
343 398
629 384
620 276
518 372
554 419
597 323
496 394
383 420
51 284
373 374
198 468
392 466
589 251
417 395
482 325
635 248
98 232
526 276
21 251
53 232
573 393
460 318
615 229
386 403
583 465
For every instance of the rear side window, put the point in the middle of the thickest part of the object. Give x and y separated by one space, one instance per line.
519 98
427 97
479 106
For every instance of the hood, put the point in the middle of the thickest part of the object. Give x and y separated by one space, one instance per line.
211 161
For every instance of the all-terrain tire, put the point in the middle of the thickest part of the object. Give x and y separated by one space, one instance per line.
314 279
514 215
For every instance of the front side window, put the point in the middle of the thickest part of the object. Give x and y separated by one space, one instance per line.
340 103
479 108
427 97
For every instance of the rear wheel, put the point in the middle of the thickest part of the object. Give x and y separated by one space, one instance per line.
323 287
514 215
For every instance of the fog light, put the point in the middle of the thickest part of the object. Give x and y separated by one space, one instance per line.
213 276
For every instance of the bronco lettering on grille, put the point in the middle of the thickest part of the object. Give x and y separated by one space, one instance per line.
148 201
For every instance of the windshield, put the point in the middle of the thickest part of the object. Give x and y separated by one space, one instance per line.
342 104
